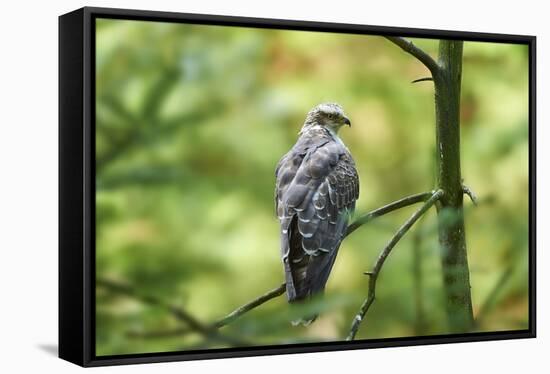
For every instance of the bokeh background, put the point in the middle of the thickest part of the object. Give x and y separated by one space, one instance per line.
190 123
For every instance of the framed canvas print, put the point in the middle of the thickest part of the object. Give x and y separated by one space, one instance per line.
235 186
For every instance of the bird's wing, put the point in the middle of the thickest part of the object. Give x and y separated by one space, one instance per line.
316 193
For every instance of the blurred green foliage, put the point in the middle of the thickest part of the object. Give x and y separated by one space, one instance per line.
191 121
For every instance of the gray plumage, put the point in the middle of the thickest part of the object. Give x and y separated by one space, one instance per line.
316 189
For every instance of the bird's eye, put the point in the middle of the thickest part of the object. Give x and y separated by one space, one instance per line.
330 116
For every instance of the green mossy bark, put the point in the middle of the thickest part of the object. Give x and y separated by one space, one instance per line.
452 240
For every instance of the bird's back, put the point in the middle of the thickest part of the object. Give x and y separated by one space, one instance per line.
316 189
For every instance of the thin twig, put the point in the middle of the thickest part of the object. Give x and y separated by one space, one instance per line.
401 203
222 321
156 334
470 194
382 258
412 49
178 312
250 305
426 79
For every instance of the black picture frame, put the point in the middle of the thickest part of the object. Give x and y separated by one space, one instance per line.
77 186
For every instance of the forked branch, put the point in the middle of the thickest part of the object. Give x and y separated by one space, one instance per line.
412 49
373 275
210 329
401 203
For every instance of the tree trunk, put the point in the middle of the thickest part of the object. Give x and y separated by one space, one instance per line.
456 278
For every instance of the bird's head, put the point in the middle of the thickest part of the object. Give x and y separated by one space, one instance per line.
329 115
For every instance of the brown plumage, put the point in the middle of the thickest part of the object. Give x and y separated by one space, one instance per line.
316 189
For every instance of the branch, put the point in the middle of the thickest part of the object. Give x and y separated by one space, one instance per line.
401 203
193 325
470 194
426 79
178 312
382 258
222 321
178 331
250 305
412 49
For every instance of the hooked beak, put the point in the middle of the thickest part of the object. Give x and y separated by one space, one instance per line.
347 121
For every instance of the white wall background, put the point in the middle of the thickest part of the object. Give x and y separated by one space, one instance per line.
28 184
